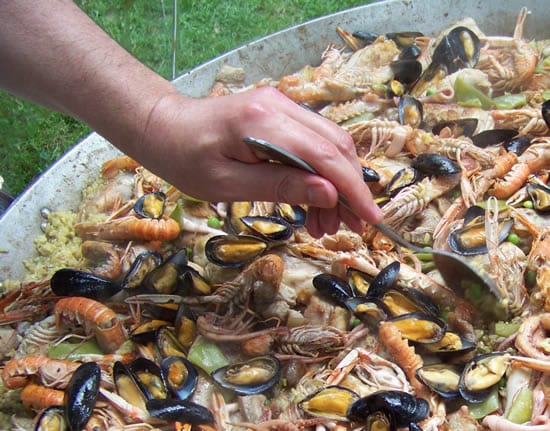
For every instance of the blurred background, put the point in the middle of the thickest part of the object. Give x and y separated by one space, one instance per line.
32 138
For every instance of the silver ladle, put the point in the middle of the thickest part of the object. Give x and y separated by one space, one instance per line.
455 270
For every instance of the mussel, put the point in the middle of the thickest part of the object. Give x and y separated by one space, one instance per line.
400 300
452 344
193 283
481 374
51 419
142 265
149 378
539 193
410 111
127 386
232 251
419 327
271 228
545 109
461 127
493 137
384 280
457 49
168 344
180 376
518 144
369 175
147 332
406 70
404 38
359 281
441 378
151 205
331 402
252 377
73 282
435 164
333 287
180 411
370 311
81 395
166 277
236 210
293 214
471 239
403 178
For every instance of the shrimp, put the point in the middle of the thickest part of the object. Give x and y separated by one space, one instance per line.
531 337
379 136
131 228
18 371
37 397
112 167
96 318
104 256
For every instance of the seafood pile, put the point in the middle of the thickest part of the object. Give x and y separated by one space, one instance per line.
183 314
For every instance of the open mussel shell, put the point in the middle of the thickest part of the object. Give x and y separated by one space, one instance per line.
461 127
151 205
419 327
236 210
73 282
474 214
333 287
400 407
370 311
194 283
271 228
481 374
402 178
399 300
404 38
293 214
410 52
406 70
180 376
359 281
81 395
545 109
149 378
127 386
410 111
51 419
471 239
185 326
168 344
458 49
370 175
147 332
232 251
331 402
441 378
451 345
165 278
493 137
435 164
142 265
180 411
384 280
518 144
252 377
540 195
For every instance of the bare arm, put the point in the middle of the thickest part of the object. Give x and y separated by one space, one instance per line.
55 55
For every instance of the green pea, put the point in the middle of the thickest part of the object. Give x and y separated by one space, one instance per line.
214 222
513 238
528 204
431 91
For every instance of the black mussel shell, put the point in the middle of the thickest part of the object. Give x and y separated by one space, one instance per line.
470 240
404 38
81 395
232 251
420 328
142 265
151 205
149 378
358 280
406 71
51 419
403 178
518 144
461 127
147 332
268 227
370 311
410 52
72 282
166 277
127 386
402 407
451 345
294 214
180 411
474 214
185 326
539 194
331 402
546 113
481 374
367 37
195 284
410 111
351 41
456 50
493 137
180 376
400 300
168 344
380 421
252 377
236 210
435 164
333 287
441 378
370 175
384 280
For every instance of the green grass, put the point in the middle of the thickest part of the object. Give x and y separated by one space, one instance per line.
32 138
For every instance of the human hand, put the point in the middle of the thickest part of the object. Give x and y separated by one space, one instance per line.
196 145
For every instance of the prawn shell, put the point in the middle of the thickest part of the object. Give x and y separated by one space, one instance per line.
233 251
180 411
51 419
331 402
73 282
255 376
180 375
81 395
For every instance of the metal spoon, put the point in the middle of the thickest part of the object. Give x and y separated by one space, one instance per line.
456 271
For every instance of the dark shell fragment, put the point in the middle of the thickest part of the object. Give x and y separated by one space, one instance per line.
493 137
180 411
73 282
518 144
81 395
461 127
384 280
545 108
165 278
370 175
435 164
406 71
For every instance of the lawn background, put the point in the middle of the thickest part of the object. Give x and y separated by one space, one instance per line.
32 138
